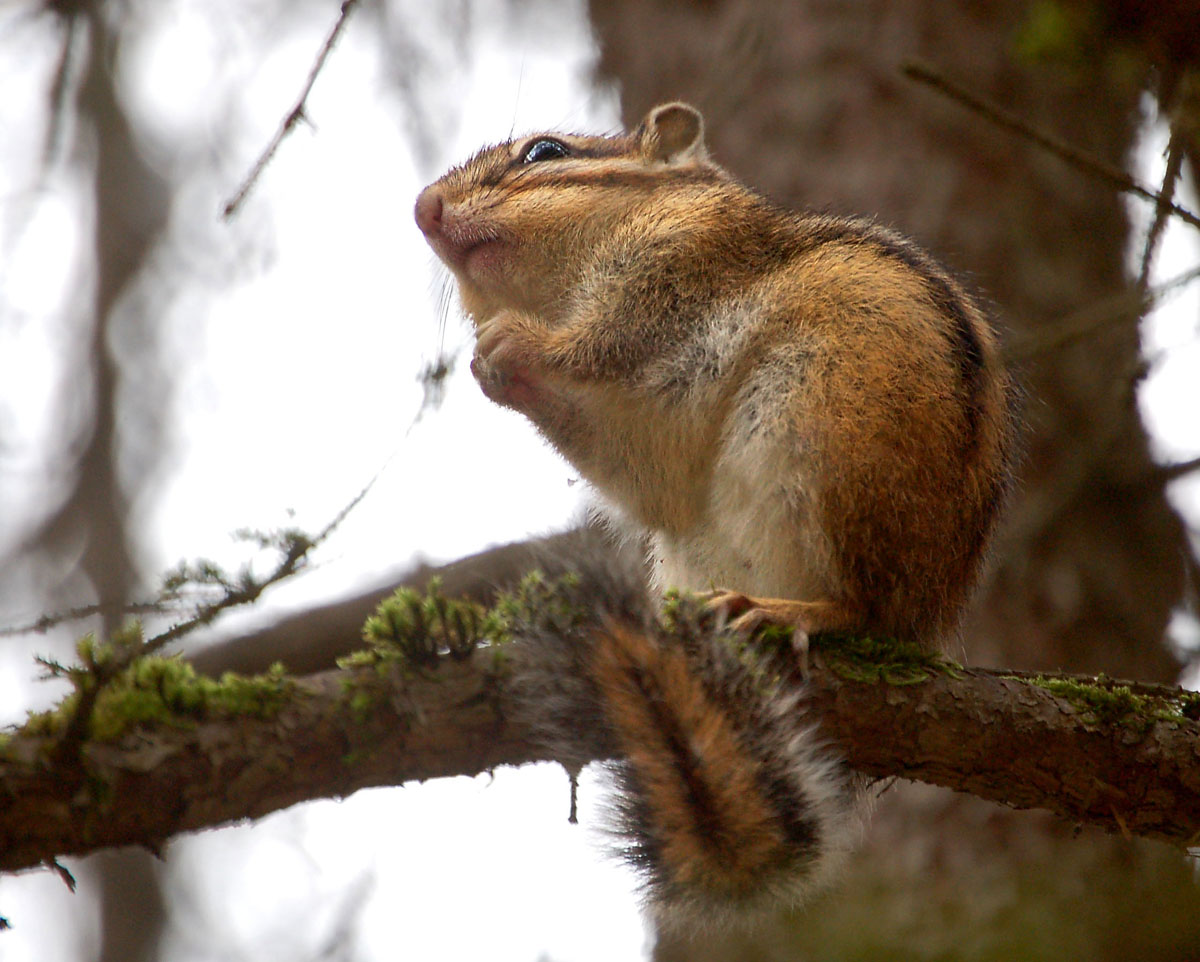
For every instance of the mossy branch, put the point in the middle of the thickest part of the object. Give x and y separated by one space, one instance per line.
112 669
168 751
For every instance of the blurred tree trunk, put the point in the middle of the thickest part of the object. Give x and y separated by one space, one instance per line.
806 101
128 214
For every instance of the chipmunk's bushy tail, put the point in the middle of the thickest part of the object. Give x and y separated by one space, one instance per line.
725 801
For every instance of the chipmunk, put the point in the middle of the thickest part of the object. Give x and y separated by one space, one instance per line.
803 414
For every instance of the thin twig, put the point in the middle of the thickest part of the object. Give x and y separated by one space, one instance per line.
925 74
294 116
1161 209
96 674
298 551
1138 366
60 89
1178 469
44 623
62 872
1095 316
1077 325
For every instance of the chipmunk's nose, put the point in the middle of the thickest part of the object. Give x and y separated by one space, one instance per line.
428 212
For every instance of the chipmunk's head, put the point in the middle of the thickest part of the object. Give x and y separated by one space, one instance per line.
519 223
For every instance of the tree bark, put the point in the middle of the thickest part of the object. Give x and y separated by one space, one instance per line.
984 732
88 533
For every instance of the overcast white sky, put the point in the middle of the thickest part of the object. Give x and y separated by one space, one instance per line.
296 383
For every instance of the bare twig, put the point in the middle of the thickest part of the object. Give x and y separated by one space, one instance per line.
1096 316
296 548
59 91
45 622
1179 469
294 116
1138 365
98 671
63 873
1077 325
922 73
1162 208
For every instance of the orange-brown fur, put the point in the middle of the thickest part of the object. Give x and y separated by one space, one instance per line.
727 852
727 803
786 405
790 405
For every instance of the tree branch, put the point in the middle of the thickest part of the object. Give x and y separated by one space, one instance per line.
925 74
294 116
1124 760
313 640
162 780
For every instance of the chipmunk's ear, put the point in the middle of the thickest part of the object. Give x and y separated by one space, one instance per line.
673 133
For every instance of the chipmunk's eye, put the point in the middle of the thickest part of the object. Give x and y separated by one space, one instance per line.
544 150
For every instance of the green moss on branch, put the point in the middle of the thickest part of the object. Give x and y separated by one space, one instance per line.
162 691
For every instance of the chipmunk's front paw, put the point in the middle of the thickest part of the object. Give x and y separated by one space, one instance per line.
506 361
